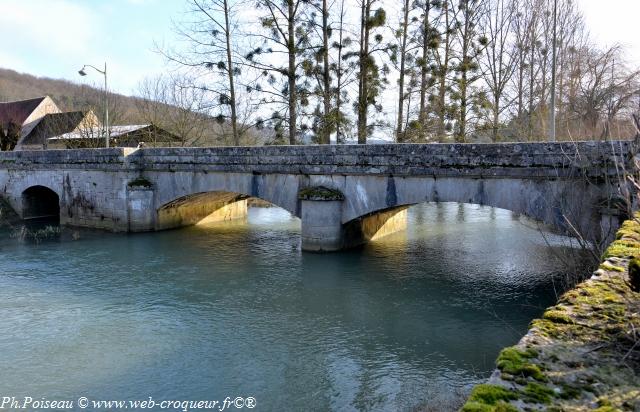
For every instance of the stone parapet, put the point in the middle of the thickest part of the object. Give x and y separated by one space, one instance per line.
532 160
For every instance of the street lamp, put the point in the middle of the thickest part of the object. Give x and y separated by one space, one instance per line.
82 72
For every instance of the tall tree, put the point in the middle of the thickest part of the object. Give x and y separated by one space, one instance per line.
317 67
429 41
402 56
443 56
210 35
283 20
340 71
499 62
326 76
369 80
471 45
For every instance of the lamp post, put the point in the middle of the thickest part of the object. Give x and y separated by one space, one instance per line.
81 72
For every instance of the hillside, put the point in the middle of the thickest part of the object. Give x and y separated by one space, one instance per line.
67 95
197 129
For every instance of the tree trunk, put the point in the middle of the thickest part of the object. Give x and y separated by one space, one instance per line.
293 95
531 81
326 130
232 89
339 138
443 76
496 117
422 117
363 86
462 126
400 136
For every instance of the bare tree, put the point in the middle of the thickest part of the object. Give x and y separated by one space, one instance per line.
443 56
606 88
429 41
499 62
472 42
345 74
174 104
402 56
210 34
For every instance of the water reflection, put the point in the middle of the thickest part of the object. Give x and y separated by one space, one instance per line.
238 310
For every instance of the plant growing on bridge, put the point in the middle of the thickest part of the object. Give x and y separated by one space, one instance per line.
320 193
140 182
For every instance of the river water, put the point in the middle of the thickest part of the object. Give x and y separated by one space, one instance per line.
409 322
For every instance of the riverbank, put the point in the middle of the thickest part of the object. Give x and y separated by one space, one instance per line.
584 353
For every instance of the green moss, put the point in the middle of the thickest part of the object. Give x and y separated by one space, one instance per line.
140 182
621 250
557 316
593 293
515 362
547 328
320 193
627 234
491 394
569 392
481 407
538 393
606 409
608 266
630 229
476 407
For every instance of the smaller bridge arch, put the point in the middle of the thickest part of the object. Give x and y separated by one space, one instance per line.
201 207
40 202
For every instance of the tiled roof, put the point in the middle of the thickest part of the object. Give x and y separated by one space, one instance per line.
54 124
18 111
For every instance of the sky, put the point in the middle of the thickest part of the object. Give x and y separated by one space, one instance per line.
55 38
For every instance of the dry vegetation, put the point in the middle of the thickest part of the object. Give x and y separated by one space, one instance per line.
162 104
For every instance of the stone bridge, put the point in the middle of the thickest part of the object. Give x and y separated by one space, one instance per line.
344 195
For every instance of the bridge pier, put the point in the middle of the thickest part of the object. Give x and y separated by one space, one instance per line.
323 230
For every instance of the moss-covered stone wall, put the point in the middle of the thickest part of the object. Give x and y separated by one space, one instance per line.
584 353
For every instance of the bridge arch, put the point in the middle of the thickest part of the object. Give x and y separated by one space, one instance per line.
279 189
204 207
553 202
40 202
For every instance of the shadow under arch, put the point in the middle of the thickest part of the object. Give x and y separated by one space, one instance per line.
40 202
207 207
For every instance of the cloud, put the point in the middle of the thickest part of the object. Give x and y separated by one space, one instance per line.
53 28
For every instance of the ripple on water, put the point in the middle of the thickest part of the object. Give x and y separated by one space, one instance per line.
238 310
